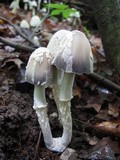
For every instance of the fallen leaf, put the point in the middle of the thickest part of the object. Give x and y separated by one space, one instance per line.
94 102
109 127
103 115
114 110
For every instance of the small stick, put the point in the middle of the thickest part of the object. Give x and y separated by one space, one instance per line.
105 81
16 45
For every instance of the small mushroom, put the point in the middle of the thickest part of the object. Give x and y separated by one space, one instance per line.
26 2
35 21
72 55
24 24
15 5
36 41
38 73
33 6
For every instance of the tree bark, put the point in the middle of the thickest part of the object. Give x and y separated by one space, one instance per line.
107 15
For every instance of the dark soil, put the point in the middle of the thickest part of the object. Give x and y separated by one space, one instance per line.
18 125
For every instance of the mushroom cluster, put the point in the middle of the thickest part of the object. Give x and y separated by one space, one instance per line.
68 53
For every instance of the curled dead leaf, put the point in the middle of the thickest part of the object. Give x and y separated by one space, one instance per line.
114 110
109 127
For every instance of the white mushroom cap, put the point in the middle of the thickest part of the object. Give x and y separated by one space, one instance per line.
58 42
24 24
35 21
38 69
36 41
72 52
15 4
32 4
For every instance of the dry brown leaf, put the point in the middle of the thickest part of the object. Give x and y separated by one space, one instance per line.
109 127
113 110
94 102
77 92
103 115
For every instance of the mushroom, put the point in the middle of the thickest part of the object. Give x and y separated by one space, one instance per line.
35 21
33 6
38 73
36 41
24 24
26 2
72 55
15 5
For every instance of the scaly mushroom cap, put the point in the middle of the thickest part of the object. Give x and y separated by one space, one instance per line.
38 69
24 24
72 52
35 21
58 42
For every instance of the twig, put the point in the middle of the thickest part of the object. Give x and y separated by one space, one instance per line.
16 45
17 30
44 18
105 81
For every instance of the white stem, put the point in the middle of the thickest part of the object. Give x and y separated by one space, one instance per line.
40 105
39 97
45 126
25 6
57 80
33 11
66 87
66 120
62 91
39 5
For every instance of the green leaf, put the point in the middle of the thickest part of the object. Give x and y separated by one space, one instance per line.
55 12
57 6
66 13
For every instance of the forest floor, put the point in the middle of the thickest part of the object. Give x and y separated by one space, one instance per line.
95 107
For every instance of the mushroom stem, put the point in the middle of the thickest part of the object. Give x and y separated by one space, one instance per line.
39 97
40 105
57 79
66 87
33 12
65 96
62 91
66 120
39 5
25 6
